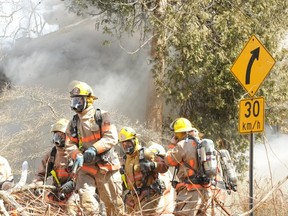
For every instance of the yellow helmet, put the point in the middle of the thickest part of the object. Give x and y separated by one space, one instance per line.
60 125
181 125
128 133
81 89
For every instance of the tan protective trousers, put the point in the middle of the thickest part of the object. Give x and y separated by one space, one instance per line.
109 188
196 202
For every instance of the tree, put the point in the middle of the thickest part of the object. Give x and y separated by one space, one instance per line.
205 39
20 19
197 44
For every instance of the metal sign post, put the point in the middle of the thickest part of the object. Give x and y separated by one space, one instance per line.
251 120
251 173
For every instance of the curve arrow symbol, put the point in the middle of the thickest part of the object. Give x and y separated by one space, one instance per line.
255 55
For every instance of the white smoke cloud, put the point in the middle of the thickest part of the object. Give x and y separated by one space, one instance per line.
75 52
271 162
56 12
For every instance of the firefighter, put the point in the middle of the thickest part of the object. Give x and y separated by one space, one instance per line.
90 142
56 164
218 186
6 176
193 194
140 169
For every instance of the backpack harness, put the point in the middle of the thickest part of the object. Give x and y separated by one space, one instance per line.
199 176
51 161
156 186
103 157
50 166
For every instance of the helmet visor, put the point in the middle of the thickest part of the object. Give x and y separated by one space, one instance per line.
78 103
59 139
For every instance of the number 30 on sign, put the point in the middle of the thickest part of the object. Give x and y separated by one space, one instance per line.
251 117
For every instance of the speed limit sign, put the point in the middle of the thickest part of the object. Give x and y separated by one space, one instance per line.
251 117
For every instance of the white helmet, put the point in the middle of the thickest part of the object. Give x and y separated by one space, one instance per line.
156 148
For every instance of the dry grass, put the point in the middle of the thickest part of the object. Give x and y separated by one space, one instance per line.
268 200
23 202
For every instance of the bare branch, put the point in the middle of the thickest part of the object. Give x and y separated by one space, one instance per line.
135 51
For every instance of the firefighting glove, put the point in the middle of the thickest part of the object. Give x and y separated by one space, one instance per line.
147 166
90 155
78 162
68 187
70 166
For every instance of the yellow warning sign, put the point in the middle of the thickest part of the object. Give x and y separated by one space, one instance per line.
252 65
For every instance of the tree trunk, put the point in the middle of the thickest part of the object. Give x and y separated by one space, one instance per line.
155 108
154 113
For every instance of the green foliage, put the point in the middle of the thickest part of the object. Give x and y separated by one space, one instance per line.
199 52
116 17
195 45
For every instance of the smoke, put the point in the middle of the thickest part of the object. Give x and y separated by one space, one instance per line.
76 52
56 13
270 159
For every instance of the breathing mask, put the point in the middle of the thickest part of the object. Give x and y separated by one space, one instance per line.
128 146
59 139
78 103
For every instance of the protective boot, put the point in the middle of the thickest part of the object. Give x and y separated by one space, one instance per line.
88 202
71 205
102 207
